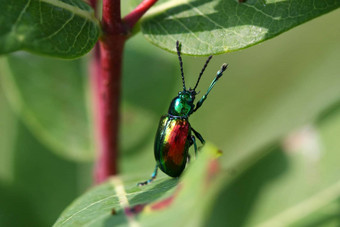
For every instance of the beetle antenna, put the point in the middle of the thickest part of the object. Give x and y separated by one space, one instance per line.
178 47
202 71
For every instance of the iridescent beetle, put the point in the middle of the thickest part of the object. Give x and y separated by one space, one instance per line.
174 134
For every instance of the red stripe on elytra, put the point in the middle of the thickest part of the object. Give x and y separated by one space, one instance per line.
177 140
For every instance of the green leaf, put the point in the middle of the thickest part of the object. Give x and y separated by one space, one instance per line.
66 29
207 27
49 95
106 204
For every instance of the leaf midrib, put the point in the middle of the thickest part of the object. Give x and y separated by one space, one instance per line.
75 10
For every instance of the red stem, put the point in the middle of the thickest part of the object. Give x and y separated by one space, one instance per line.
93 3
132 18
109 83
106 70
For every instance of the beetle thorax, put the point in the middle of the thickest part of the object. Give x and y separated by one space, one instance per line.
183 104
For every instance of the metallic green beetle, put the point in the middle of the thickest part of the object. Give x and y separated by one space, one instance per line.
174 134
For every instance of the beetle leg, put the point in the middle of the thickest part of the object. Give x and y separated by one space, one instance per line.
195 145
153 176
204 97
198 136
188 158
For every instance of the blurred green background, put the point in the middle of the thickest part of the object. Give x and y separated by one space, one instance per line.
281 97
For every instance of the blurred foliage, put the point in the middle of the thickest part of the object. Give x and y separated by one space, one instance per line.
49 95
274 114
35 185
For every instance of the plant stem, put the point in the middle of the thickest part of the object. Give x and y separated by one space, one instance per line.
132 18
109 83
106 70
93 3
107 90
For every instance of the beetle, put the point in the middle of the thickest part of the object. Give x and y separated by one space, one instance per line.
174 134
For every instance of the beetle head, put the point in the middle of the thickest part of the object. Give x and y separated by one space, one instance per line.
183 104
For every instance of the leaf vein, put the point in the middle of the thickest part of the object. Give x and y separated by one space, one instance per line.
21 14
123 200
261 12
61 28
212 21
85 208
77 36
186 28
171 36
166 31
73 9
